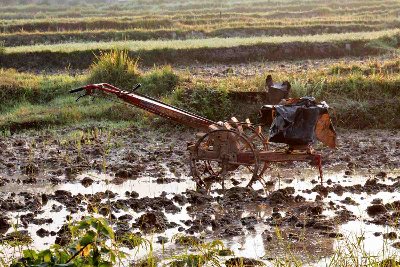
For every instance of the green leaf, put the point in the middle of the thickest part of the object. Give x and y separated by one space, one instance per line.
30 254
88 238
83 224
105 264
104 250
46 255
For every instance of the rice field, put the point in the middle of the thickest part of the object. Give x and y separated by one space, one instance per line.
205 43
101 183
52 35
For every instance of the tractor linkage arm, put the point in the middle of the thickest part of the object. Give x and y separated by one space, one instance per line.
149 104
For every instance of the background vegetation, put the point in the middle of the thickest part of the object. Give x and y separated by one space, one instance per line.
62 42
364 95
50 34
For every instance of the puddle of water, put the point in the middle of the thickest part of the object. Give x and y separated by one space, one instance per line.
252 243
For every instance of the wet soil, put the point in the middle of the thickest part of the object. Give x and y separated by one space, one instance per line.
251 69
139 179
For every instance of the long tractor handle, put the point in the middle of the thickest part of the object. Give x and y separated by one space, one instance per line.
151 105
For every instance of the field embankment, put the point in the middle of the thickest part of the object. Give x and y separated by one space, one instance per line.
212 50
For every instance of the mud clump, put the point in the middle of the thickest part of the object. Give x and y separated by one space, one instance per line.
132 194
396 245
105 211
29 218
344 216
349 201
18 236
376 209
338 189
241 261
232 231
30 169
3 181
62 194
180 199
249 221
4 225
142 204
63 236
199 224
128 171
282 196
349 172
377 201
198 197
311 209
322 190
86 182
241 194
126 217
324 226
381 175
152 221
390 235
224 221
42 232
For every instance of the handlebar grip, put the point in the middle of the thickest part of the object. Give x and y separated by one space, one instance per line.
137 86
77 90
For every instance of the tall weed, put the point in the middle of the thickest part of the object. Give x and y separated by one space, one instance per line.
115 67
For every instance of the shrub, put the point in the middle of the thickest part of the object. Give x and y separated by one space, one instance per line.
160 81
214 104
115 67
15 87
18 87
367 114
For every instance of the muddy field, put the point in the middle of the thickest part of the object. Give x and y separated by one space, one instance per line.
251 69
139 179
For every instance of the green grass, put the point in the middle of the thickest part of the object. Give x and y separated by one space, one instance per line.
202 31
114 67
366 92
211 50
28 38
93 242
362 95
203 43
18 87
57 36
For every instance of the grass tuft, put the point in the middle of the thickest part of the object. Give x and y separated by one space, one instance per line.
115 67
2 47
159 81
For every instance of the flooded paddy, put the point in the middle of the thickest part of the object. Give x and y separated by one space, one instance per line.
49 181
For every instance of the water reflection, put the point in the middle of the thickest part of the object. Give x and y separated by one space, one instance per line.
260 241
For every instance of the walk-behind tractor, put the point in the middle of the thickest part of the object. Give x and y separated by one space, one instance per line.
223 148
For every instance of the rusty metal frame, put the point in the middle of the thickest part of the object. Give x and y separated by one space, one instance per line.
225 135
